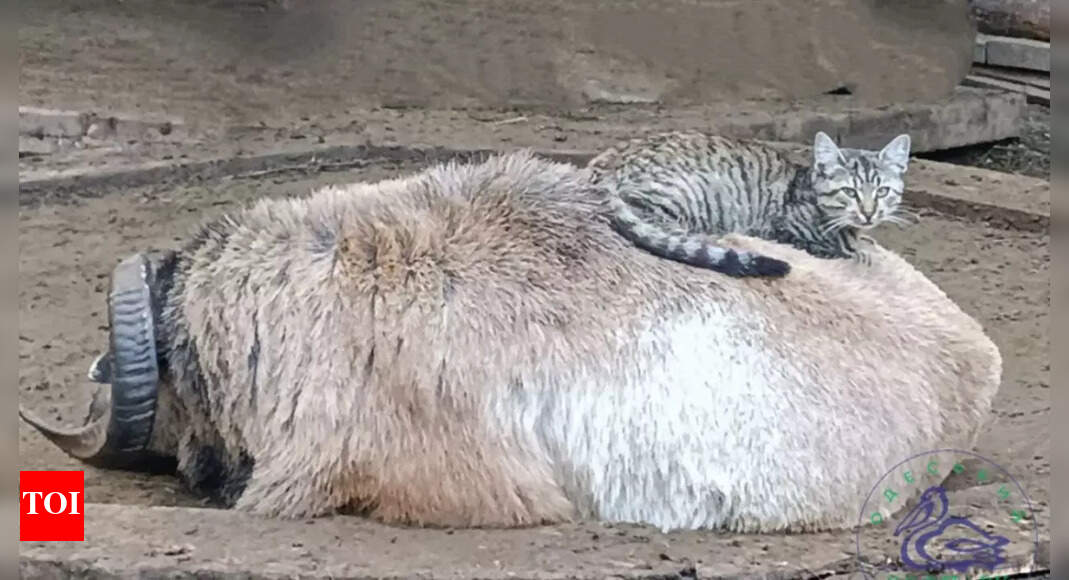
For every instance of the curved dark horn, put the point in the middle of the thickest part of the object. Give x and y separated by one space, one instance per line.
84 442
118 432
135 371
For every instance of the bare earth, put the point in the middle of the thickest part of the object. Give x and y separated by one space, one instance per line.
998 275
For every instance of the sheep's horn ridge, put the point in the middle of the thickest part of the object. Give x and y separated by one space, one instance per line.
134 368
119 426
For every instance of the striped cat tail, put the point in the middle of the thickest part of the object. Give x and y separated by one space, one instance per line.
693 249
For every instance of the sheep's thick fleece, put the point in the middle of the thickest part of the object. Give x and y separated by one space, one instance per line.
473 345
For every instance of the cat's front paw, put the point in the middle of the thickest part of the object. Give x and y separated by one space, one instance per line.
866 239
862 258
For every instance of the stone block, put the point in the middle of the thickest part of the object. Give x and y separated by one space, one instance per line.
1016 53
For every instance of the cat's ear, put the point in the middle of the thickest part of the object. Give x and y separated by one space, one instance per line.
826 153
896 153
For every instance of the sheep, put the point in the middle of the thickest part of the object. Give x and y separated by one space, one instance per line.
473 346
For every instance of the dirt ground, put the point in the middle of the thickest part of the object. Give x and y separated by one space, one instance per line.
237 78
224 61
1000 276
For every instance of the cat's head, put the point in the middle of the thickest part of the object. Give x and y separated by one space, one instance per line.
859 187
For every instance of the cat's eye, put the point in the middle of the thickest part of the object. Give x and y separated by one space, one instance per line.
882 191
849 191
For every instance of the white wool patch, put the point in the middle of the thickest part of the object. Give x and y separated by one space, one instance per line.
671 443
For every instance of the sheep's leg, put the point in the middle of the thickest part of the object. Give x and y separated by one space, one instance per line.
447 485
284 489
461 486
207 468
272 481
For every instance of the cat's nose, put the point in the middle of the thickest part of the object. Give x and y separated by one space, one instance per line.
867 213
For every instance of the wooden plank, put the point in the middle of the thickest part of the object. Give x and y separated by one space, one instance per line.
1034 94
1034 78
1021 53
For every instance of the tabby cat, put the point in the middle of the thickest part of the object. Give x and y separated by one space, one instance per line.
672 194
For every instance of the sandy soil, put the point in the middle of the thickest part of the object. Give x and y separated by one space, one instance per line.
224 61
1000 276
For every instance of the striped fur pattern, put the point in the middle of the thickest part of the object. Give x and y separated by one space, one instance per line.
673 194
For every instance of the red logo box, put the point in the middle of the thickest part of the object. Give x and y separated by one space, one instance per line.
51 506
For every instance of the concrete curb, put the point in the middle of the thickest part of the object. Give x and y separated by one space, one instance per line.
1028 209
1021 53
969 117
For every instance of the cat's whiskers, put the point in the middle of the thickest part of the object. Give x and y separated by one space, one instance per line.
834 224
897 221
907 211
907 216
